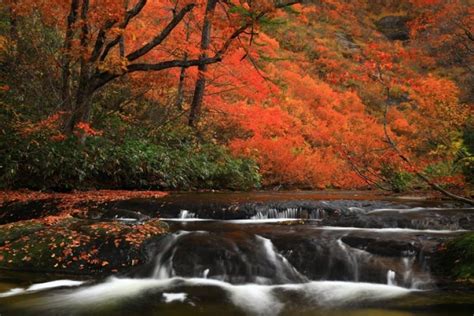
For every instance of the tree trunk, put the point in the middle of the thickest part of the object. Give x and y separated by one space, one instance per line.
66 64
81 109
180 94
13 23
182 74
122 47
200 88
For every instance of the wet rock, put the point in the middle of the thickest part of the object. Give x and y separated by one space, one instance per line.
394 27
222 210
438 219
235 257
120 215
390 248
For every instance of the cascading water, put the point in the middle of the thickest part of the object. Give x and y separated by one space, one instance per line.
185 214
282 266
290 213
354 256
391 277
164 259
258 268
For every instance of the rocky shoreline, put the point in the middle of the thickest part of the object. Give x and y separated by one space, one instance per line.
108 233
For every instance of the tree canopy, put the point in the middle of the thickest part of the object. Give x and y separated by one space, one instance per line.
311 94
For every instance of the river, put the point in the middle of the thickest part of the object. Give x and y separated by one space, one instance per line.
291 253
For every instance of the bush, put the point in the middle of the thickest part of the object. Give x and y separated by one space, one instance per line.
456 260
39 160
399 181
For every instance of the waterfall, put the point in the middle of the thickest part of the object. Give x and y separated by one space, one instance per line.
391 277
217 259
283 268
290 213
317 214
164 259
353 257
185 214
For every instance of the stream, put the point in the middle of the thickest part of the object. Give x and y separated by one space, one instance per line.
269 253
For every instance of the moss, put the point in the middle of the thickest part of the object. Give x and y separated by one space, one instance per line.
463 251
456 260
72 245
14 231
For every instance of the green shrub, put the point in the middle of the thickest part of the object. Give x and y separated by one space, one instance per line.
133 161
456 260
399 181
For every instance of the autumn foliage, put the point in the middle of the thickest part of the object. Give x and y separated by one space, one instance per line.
314 93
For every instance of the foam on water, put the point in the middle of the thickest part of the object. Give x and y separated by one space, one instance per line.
13 292
175 297
42 286
54 284
192 219
338 293
252 298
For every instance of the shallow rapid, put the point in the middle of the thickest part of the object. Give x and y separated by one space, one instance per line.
271 256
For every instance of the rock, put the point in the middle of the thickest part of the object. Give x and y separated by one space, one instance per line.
390 248
394 27
347 42
75 246
120 215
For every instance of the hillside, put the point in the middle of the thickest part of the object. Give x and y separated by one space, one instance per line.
312 95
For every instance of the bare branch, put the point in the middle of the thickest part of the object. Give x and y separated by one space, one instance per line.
162 36
129 15
420 174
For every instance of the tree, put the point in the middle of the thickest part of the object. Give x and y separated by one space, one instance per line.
444 29
94 55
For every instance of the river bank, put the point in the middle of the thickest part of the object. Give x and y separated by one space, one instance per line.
402 252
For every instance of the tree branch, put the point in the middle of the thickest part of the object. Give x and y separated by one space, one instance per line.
130 14
162 36
420 174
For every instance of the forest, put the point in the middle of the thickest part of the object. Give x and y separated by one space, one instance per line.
237 157
236 95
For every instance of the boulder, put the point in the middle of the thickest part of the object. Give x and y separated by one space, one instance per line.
76 246
394 27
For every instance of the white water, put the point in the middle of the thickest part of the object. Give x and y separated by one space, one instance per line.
187 220
282 267
391 277
185 214
288 214
175 297
252 298
164 266
41 287
355 257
